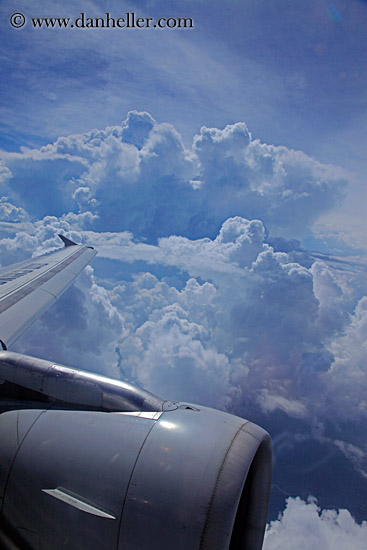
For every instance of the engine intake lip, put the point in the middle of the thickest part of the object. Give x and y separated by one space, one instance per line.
247 464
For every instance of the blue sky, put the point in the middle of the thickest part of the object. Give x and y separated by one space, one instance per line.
207 166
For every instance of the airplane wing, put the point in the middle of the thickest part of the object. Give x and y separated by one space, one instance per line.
29 288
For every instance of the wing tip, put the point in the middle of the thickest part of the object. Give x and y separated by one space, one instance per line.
66 241
69 242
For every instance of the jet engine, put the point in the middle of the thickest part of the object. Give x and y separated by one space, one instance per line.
92 463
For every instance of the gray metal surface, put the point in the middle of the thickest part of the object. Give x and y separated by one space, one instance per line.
14 426
73 386
89 455
29 288
103 481
188 482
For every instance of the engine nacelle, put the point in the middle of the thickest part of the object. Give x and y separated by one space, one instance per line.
189 478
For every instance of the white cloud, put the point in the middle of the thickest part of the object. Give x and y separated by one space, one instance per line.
303 525
292 407
271 318
138 176
357 456
275 327
208 311
228 323
286 189
276 333
168 353
10 213
4 172
347 374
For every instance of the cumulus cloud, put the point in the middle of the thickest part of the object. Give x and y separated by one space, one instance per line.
240 326
202 291
138 176
10 213
304 525
347 374
274 184
272 319
168 353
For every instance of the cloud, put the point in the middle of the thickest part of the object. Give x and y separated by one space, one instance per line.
10 213
270 403
254 332
4 172
357 456
257 331
303 525
226 322
201 290
275 184
277 322
347 374
139 176
168 354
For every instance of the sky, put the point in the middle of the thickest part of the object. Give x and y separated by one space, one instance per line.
219 171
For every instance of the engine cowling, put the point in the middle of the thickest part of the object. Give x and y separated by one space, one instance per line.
189 478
